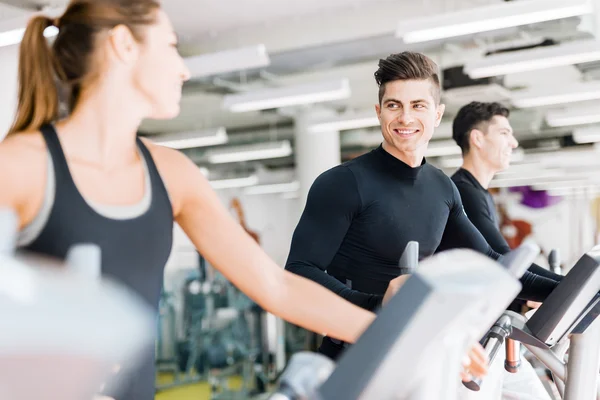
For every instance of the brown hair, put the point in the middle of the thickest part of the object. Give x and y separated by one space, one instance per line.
472 116
69 59
408 66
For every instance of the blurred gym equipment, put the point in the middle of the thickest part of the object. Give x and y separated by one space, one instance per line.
67 331
414 349
567 320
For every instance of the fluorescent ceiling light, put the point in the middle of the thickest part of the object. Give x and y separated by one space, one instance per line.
528 171
552 95
290 187
234 182
259 151
561 184
228 61
484 19
533 59
10 38
573 116
442 148
451 162
517 170
589 134
342 123
526 179
455 162
288 96
15 36
574 191
443 131
186 140
517 155
290 196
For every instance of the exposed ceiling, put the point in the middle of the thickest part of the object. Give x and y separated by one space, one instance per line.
214 18
313 40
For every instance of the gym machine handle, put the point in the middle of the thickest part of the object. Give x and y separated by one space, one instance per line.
492 342
410 258
554 261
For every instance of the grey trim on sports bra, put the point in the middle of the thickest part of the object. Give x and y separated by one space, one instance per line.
30 232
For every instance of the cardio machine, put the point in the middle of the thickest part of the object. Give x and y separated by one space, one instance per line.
413 349
64 330
567 320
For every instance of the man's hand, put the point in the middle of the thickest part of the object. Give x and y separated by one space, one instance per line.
475 364
533 304
393 287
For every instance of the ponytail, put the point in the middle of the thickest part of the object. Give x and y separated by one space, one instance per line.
69 63
38 102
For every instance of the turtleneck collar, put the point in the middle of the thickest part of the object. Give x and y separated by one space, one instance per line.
396 166
471 178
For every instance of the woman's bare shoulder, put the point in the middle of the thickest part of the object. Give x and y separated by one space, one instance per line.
22 172
168 161
177 171
23 144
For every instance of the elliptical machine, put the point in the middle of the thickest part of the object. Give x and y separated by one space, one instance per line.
413 349
567 320
68 327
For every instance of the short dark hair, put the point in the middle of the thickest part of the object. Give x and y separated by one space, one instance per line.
472 116
408 66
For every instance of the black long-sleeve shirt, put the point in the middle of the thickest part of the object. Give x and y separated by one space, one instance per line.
360 216
481 210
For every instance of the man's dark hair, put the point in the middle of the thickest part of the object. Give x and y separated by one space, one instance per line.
408 66
474 115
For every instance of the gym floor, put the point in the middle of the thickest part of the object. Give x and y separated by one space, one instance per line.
194 391
197 391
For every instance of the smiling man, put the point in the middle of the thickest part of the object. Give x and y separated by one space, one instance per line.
360 215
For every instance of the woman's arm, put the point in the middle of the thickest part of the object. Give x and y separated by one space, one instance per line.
226 246
222 241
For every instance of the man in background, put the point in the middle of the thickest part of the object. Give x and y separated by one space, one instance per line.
485 136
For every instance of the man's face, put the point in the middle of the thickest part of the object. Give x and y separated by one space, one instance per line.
497 143
408 114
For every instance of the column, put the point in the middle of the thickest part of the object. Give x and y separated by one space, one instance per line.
591 23
314 152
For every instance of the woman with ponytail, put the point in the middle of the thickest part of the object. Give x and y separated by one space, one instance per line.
87 178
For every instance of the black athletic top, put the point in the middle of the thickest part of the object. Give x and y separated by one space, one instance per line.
481 210
359 217
134 251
